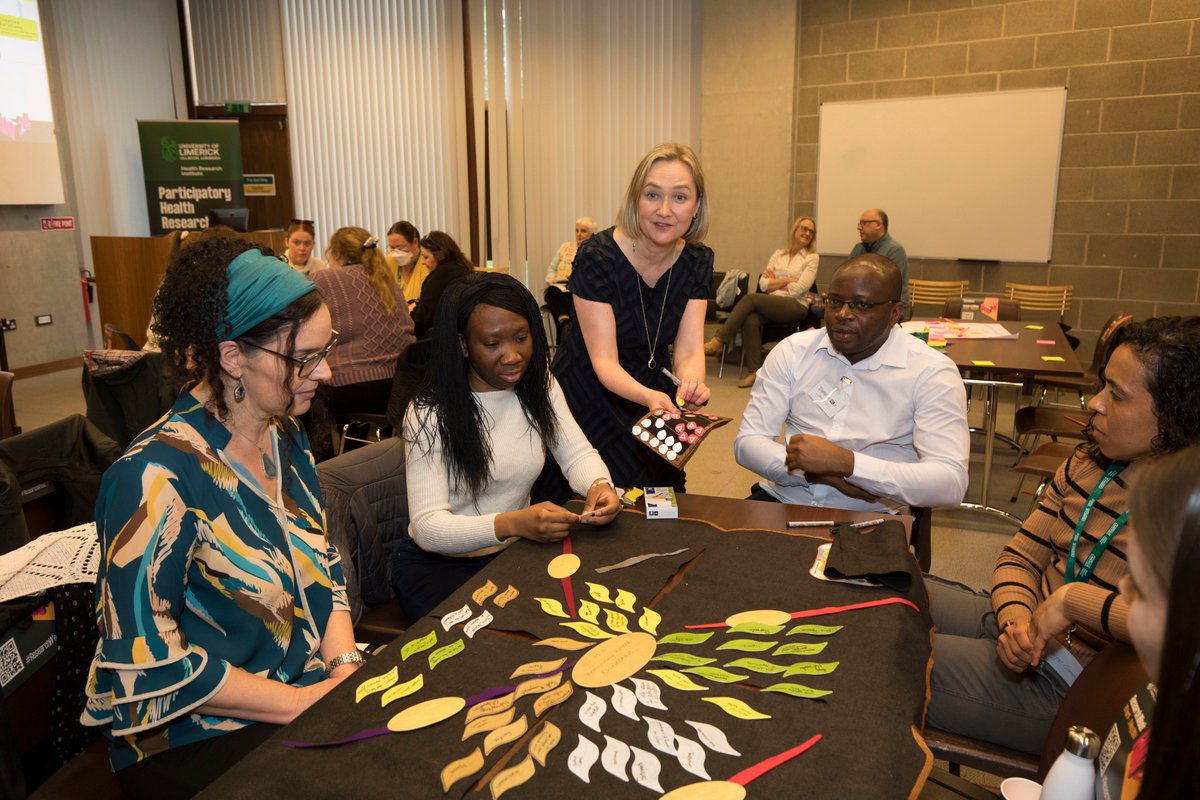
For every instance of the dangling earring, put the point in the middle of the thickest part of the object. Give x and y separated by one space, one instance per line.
239 393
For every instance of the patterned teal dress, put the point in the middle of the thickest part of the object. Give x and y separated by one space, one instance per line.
203 572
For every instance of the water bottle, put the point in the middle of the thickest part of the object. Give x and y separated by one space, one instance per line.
1073 776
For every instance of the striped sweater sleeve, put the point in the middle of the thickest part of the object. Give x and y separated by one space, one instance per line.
1032 565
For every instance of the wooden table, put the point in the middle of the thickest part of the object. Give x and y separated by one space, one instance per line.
870 745
1022 357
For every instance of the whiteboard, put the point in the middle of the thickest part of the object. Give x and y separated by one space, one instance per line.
970 176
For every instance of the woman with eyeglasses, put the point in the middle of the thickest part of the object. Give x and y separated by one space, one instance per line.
300 240
220 602
447 263
1002 662
370 316
783 296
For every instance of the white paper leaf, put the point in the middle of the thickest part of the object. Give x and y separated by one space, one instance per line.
615 757
582 758
713 738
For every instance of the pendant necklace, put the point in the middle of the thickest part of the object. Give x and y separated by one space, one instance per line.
267 462
650 363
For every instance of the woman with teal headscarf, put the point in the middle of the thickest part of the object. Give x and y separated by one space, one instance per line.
220 602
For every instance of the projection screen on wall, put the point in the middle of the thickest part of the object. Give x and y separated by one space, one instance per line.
29 168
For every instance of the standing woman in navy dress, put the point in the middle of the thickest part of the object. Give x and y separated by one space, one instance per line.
640 288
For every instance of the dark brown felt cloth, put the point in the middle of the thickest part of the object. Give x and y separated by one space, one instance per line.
869 721
879 553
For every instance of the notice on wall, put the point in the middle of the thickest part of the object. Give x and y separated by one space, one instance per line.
190 167
262 185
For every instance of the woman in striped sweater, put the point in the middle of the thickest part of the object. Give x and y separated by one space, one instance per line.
1004 661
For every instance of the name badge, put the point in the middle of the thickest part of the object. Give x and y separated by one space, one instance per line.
830 399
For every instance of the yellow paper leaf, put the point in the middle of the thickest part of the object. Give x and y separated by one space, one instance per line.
677 680
481 594
507 596
402 690
537 667
464 767
616 621
512 777
598 592
587 629
376 684
626 600
544 741
735 708
488 723
552 607
502 736
589 611
562 643
649 621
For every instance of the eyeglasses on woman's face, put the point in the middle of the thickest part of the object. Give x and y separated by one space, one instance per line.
305 365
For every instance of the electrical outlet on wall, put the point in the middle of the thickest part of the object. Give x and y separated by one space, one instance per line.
8 324
43 319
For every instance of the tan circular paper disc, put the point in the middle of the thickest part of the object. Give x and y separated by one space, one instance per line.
425 714
763 616
707 790
563 566
614 660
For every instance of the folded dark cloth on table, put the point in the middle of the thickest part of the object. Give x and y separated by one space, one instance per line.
879 553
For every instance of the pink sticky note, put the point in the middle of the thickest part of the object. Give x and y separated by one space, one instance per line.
1045 341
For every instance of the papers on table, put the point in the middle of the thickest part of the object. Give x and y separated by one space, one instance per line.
941 329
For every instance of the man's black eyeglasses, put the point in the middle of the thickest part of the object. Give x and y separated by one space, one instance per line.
305 365
834 303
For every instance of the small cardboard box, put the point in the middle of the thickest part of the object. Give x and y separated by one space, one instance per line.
660 503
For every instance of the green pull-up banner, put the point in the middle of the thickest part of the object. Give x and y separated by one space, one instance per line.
190 167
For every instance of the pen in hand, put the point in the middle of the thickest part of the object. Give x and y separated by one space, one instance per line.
675 380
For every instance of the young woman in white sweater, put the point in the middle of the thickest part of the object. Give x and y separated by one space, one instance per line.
477 435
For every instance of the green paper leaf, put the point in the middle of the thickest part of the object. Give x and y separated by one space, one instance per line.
757 665
797 690
686 659
755 629
685 638
800 649
716 674
747 645
418 645
442 653
816 630
811 668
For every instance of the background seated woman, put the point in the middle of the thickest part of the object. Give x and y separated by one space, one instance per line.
478 433
446 264
557 298
783 296
371 319
219 600
1002 664
299 246
404 249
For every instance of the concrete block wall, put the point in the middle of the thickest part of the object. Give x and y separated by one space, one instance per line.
1127 221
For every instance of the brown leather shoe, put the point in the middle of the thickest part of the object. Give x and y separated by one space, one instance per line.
713 347
748 381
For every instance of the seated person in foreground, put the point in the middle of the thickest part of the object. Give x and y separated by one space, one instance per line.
220 602
875 418
1163 595
477 434
1003 663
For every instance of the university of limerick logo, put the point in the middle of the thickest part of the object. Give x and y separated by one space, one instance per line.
170 149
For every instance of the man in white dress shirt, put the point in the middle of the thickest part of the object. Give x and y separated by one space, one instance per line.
873 418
